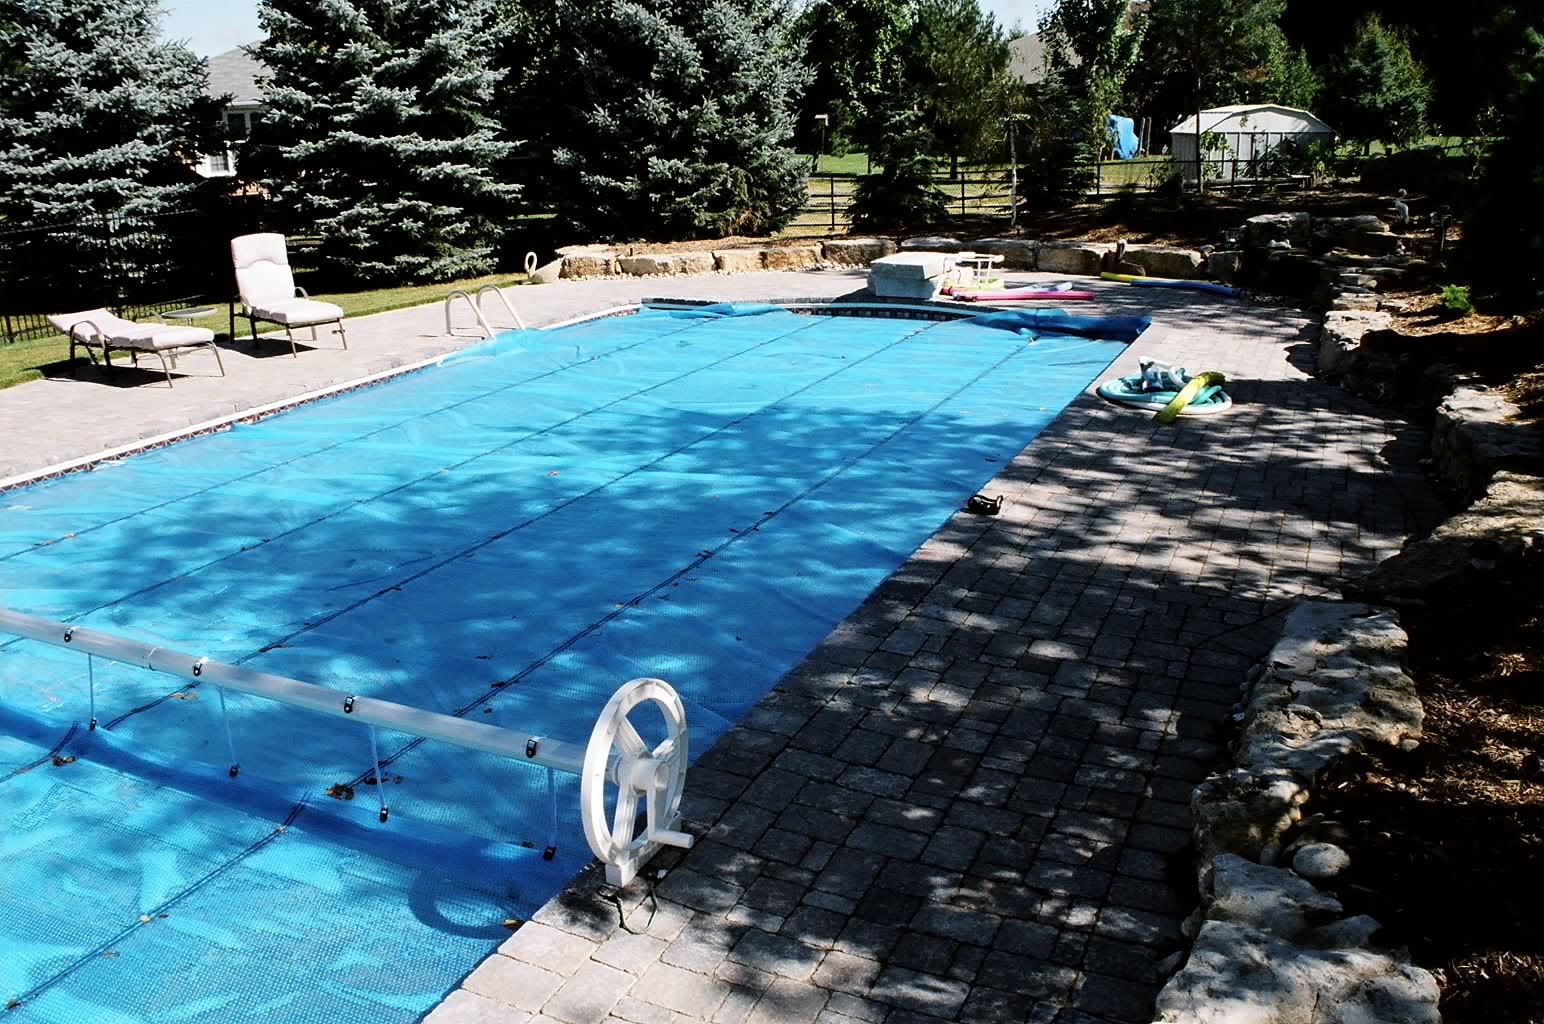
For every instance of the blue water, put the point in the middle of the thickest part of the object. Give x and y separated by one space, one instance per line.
511 536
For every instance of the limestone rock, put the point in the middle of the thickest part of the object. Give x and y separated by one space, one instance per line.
1352 300
1277 227
1475 434
1361 234
1320 860
1342 335
1085 258
931 243
694 263
588 261
792 257
1509 517
1166 261
666 263
1332 684
1017 253
1224 265
1266 955
856 252
737 261
1128 267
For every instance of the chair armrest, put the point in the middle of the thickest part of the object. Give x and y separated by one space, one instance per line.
89 323
300 293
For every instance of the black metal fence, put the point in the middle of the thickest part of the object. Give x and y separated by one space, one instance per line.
131 264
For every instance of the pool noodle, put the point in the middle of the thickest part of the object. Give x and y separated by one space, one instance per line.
1019 294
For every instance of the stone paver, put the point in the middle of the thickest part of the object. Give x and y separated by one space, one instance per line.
964 803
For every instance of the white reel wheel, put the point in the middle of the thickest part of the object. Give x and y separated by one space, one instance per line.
617 754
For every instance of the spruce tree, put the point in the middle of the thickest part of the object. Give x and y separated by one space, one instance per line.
380 135
1376 89
667 119
99 116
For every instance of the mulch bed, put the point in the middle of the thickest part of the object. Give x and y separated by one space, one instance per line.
1447 841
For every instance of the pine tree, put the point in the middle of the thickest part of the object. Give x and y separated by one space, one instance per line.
667 119
900 193
1376 89
99 117
380 136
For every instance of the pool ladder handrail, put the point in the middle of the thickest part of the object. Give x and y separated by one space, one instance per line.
477 310
614 754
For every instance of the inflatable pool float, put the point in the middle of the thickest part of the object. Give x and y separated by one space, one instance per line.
1169 391
1171 282
1017 295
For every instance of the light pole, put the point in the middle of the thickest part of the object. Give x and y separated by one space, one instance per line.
822 120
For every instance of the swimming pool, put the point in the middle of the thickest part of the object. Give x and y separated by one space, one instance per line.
699 495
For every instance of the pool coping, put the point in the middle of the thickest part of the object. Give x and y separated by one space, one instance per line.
85 463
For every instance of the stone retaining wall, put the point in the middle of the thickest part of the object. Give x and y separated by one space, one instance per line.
1269 946
1087 259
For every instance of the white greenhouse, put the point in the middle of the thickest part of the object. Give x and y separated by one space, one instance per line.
1240 140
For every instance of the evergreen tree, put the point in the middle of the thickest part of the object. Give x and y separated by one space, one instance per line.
379 135
99 117
1092 47
1376 90
668 119
899 194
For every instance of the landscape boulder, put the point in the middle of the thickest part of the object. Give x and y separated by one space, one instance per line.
1084 258
1293 228
1342 334
856 252
932 243
792 257
738 261
1166 261
1272 949
588 261
1017 253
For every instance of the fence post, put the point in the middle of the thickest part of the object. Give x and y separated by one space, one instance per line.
962 195
113 282
831 193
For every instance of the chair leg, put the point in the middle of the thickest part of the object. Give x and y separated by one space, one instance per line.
164 368
289 332
343 334
217 360
252 322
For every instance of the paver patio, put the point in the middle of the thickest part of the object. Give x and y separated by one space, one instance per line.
971 801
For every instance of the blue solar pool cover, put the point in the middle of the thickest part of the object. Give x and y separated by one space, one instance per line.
696 495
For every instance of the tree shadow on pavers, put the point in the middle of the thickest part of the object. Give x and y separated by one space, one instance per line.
982 777
973 788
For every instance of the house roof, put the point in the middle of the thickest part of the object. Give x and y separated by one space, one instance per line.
1254 117
235 73
1026 58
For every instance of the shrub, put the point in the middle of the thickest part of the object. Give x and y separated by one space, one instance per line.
1455 300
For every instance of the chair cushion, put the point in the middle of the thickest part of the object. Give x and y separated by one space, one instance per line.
298 312
263 274
101 319
162 337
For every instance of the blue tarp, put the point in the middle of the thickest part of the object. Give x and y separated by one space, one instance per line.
1123 136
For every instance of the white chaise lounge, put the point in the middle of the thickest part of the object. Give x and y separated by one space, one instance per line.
269 293
94 329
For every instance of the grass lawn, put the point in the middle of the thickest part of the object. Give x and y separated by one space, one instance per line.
35 358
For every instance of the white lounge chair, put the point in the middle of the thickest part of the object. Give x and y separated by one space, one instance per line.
94 329
269 293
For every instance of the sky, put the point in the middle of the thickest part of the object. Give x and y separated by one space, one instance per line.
214 26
